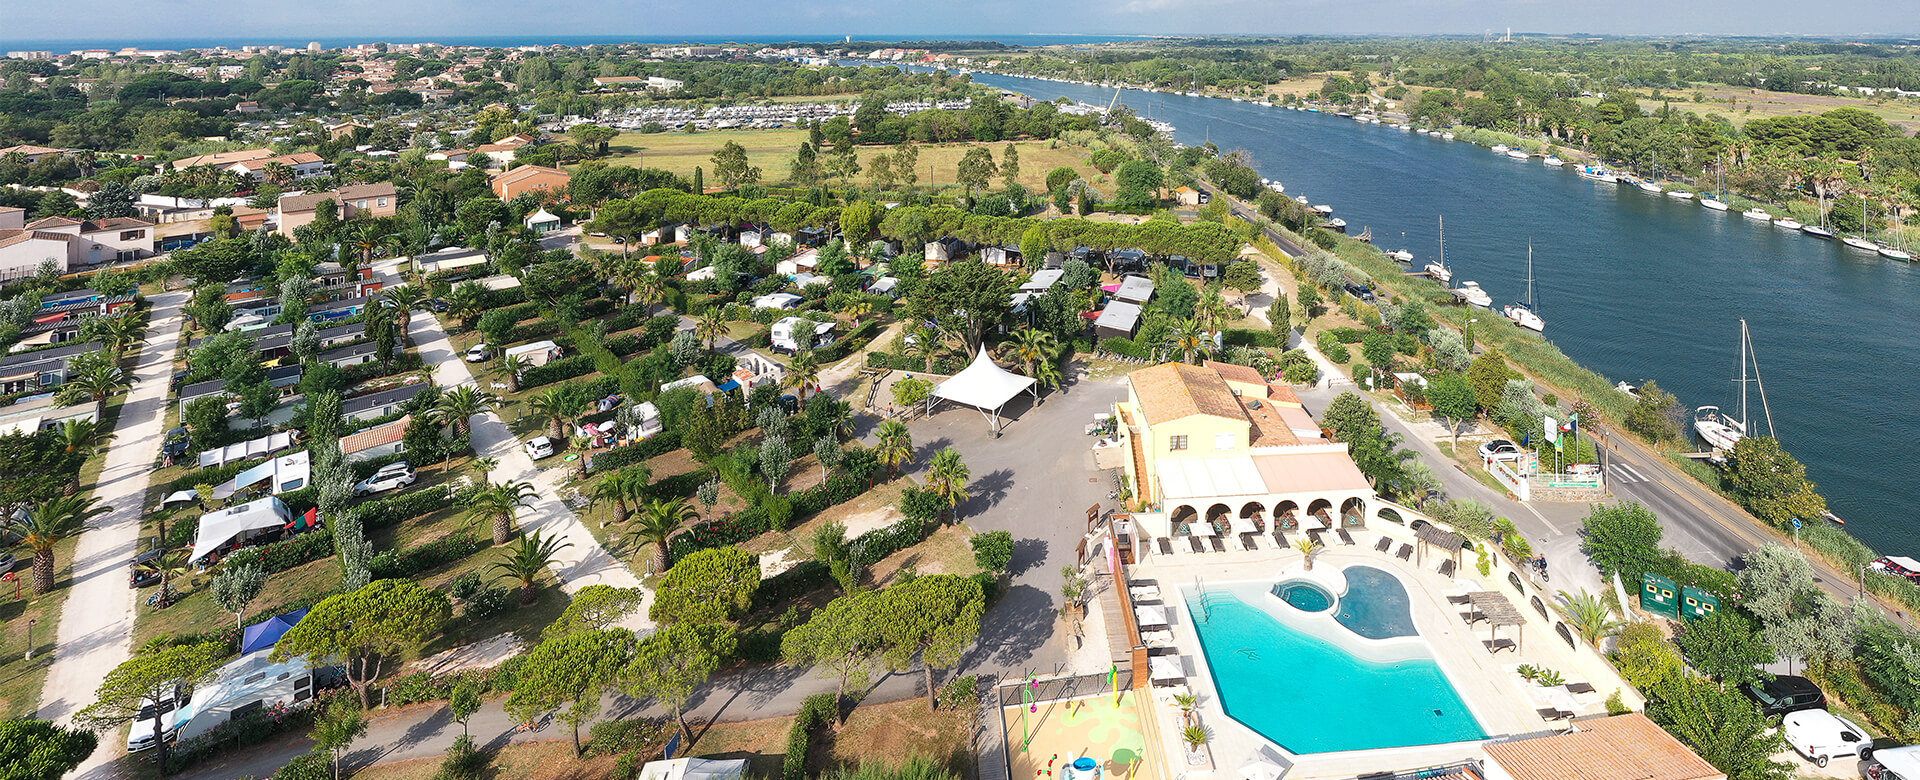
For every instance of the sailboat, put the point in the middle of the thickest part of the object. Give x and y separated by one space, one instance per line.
1821 230
1438 268
1713 202
1651 184
1858 242
1897 250
1714 426
1522 313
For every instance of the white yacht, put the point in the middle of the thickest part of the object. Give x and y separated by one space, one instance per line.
1522 313
1817 231
1720 430
1598 173
1448 135
1860 243
1894 253
1647 185
1473 295
1788 222
1401 256
1757 215
1680 194
1438 268
1500 148
1322 210
1713 203
1517 154
1552 162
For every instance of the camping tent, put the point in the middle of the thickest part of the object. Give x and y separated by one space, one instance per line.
694 769
984 386
218 528
263 635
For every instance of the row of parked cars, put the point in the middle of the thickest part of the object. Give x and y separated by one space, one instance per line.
1821 736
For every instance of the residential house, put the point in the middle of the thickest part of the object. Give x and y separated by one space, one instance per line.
84 300
72 244
31 153
1135 288
343 129
42 368
218 159
1622 747
620 81
450 259
379 441
529 178
280 377
1119 320
12 218
381 404
41 413
1206 446
337 310
355 200
351 355
1186 196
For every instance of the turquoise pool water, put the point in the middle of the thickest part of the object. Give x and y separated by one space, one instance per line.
1307 596
1311 695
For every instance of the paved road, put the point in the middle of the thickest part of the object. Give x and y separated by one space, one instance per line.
96 628
583 563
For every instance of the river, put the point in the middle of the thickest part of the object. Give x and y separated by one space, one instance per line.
1633 285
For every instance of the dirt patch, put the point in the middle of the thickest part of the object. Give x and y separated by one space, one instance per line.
526 761
947 551
484 654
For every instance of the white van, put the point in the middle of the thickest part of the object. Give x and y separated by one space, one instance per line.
1820 736
1896 763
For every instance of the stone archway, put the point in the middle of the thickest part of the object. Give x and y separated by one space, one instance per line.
1322 509
1353 513
1256 512
1179 518
1287 514
1217 516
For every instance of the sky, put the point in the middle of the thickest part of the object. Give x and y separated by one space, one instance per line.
401 20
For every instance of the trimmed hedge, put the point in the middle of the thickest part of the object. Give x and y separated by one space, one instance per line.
402 363
754 520
557 370
847 346
1240 337
621 457
394 564
815 713
874 546
533 331
678 485
944 366
383 512
283 555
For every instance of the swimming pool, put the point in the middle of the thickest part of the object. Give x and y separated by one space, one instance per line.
1312 684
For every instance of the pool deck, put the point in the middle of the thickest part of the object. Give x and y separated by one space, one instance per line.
1503 703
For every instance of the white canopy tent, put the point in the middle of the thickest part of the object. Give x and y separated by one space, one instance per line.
984 386
246 450
218 528
694 769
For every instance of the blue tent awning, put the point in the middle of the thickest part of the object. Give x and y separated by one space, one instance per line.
263 635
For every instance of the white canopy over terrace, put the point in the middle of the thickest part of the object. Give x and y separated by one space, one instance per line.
986 386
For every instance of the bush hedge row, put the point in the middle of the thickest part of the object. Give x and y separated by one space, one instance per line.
622 457
394 564
1243 337
557 370
815 713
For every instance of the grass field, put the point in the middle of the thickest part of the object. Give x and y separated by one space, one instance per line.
772 151
1741 104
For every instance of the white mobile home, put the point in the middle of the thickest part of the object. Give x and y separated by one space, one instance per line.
246 685
782 333
538 353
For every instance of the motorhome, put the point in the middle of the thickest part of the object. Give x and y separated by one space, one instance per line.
248 684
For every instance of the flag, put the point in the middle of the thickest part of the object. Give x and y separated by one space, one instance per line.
1552 430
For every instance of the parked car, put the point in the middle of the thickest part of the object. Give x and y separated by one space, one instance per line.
1501 449
1895 763
140 734
539 447
389 477
7 561
139 575
1357 291
1786 693
1820 736
479 353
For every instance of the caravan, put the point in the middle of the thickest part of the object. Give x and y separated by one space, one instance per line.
249 684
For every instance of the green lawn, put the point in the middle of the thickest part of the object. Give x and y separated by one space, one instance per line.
772 151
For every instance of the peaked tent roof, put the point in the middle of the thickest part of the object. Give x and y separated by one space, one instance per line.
984 384
265 634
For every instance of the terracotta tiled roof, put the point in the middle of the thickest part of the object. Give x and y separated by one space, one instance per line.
526 171
12 236
1624 747
223 158
52 222
375 190
1170 391
115 223
1236 373
385 433
29 150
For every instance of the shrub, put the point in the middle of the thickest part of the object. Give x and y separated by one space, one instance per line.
611 737
993 551
284 555
815 713
1123 348
394 564
557 370
1239 337
621 457
486 603
1333 349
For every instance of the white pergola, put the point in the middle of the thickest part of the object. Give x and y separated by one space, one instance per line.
986 386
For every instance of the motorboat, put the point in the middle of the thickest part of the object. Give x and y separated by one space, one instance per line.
1522 313
1757 215
1721 430
1300 199
1500 148
1448 135
1322 210
1680 194
1860 243
1817 231
1628 388
1473 295
1337 224
1401 256
1788 222
1552 162
1713 203
1597 173
1897 566
1518 154
1648 185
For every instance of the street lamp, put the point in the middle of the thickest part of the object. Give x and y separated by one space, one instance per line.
1470 334
30 622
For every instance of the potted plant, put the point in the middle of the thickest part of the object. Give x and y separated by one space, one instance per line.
1307 548
1196 736
1186 703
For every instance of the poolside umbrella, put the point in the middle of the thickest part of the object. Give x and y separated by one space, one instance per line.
1261 769
263 635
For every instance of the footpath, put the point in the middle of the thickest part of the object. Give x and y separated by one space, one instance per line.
96 630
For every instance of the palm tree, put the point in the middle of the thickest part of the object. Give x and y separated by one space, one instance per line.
82 436
710 329
1047 374
658 521
895 448
580 444
118 334
650 289
858 310
947 478
926 346
527 559
485 466
459 404
47 524
555 405
96 384
623 489
803 373
277 172
1589 616
497 503
406 298
367 237
510 369
1032 346
1189 339
170 565
466 304
1307 547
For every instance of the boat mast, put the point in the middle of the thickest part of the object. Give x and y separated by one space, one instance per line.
1765 408
1443 240
1743 376
1530 273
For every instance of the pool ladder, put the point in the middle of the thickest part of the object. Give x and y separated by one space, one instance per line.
1206 600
